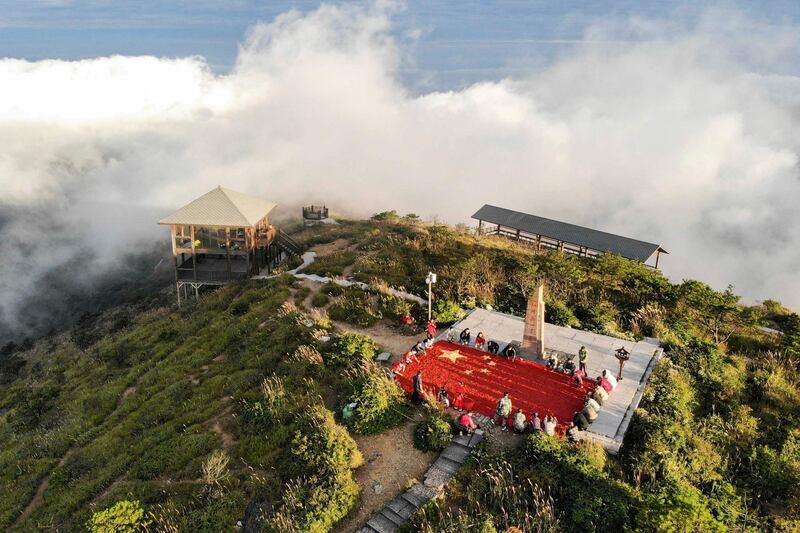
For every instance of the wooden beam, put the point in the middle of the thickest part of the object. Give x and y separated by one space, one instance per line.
228 249
194 255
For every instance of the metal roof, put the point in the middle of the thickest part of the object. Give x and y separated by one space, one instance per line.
569 233
221 207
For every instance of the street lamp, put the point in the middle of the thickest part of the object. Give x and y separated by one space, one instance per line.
622 355
430 279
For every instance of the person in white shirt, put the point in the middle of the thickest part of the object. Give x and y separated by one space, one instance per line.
611 379
550 423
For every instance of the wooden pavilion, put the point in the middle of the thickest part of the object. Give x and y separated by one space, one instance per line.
547 234
222 236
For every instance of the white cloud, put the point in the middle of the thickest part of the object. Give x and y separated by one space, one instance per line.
672 139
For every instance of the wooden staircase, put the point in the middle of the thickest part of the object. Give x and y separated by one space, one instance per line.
288 244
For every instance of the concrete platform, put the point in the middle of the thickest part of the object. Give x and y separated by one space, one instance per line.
612 422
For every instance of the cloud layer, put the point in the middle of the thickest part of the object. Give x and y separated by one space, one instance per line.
675 138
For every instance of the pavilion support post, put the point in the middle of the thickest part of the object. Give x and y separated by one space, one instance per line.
178 291
228 250
194 255
517 235
480 227
658 254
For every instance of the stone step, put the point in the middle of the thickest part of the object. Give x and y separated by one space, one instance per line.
402 508
462 440
476 438
436 478
456 453
448 465
381 524
425 493
414 499
392 516
367 529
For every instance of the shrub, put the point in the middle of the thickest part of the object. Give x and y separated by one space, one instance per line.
355 307
380 402
434 433
322 455
446 312
122 517
215 470
556 312
677 507
332 289
260 415
348 349
320 300
331 265
393 306
301 294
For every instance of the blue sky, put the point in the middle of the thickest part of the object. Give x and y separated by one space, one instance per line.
458 42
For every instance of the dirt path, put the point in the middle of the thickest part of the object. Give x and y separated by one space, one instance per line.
330 247
40 490
391 460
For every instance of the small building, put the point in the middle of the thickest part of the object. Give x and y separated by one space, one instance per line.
223 236
547 234
314 214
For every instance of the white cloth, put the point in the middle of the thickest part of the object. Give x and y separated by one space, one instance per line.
550 427
611 379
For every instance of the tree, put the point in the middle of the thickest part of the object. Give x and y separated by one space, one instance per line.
717 313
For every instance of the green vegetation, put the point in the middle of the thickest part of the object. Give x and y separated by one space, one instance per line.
434 433
320 299
379 401
332 265
146 414
122 517
192 419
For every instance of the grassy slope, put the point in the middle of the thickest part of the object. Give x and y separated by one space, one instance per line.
154 437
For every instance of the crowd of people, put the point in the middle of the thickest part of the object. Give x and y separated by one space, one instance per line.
520 422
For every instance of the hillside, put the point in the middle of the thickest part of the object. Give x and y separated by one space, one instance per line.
228 409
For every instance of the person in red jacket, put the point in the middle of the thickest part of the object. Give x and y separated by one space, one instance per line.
430 328
466 423
458 396
605 384
480 341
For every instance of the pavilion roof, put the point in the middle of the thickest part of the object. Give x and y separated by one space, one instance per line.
221 207
569 233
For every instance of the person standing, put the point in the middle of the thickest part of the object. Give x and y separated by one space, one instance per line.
536 423
583 355
458 398
416 382
465 336
430 328
550 423
520 423
503 410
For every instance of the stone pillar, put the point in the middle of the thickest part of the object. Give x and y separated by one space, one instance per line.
533 337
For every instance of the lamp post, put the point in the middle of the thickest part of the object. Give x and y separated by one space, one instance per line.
622 355
430 279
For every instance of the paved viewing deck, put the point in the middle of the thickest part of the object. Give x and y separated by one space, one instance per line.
612 422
